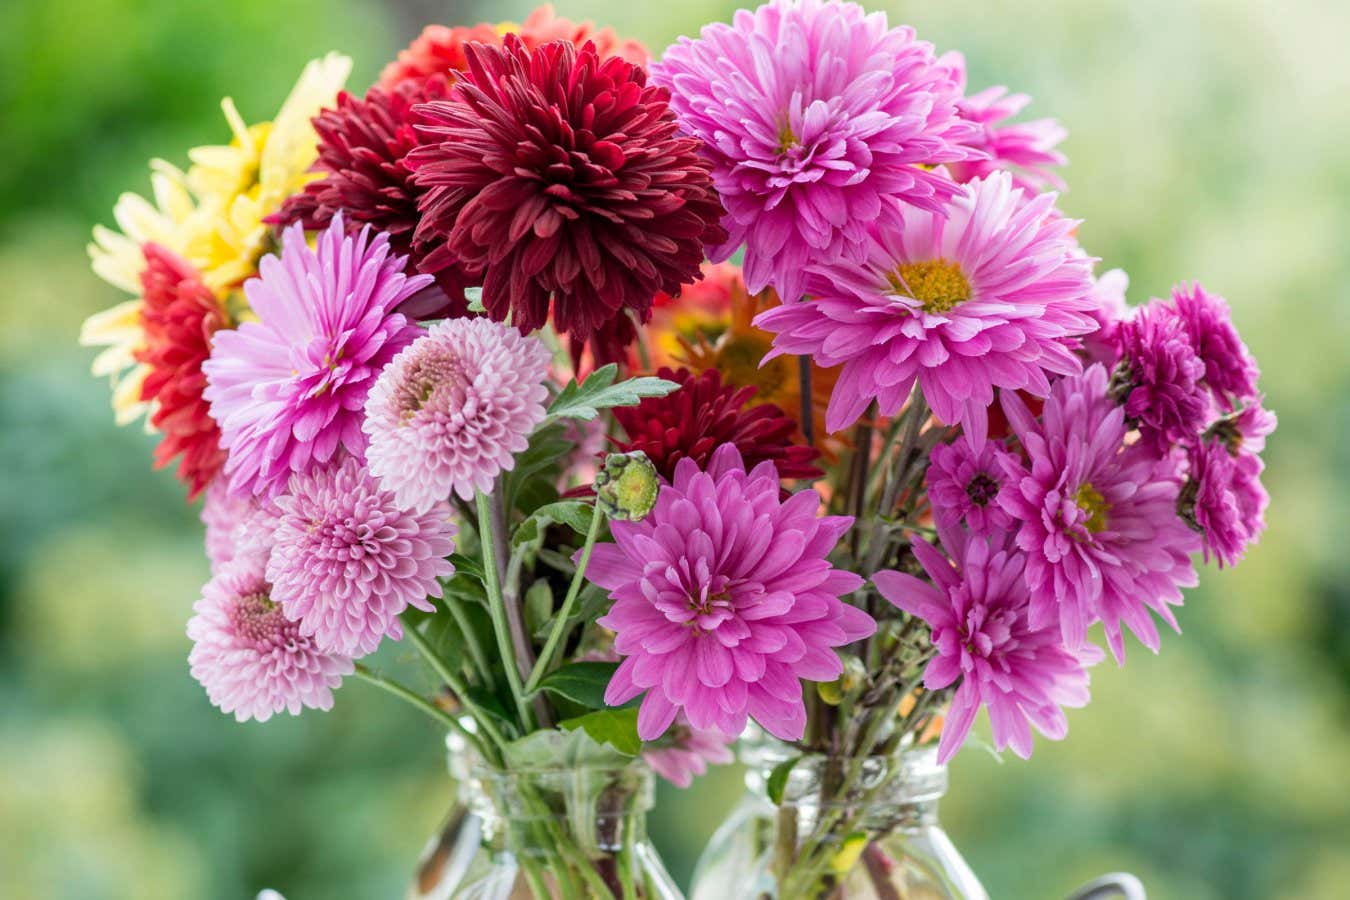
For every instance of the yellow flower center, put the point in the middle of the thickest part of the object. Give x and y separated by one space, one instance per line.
786 139
739 359
1091 502
936 283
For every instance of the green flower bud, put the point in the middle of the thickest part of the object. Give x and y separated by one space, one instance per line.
627 486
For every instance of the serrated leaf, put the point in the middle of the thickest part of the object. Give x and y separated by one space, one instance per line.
467 566
580 682
777 782
616 728
600 391
575 514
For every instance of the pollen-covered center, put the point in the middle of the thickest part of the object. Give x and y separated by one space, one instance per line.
982 489
1093 505
431 375
937 284
259 621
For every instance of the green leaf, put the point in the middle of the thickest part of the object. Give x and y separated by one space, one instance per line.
467 566
599 391
581 682
538 606
558 749
778 779
575 514
615 727
560 561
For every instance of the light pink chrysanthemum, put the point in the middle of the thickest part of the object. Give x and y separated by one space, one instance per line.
963 485
288 390
1099 519
685 753
237 527
252 660
978 611
452 410
818 120
1026 149
724 599
985 297
347 558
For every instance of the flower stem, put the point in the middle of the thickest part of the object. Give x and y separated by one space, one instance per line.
808 422
555 636
416 700
456 684
501 628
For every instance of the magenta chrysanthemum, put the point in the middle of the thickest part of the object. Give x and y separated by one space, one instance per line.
288 390
819 120
451 411
724 599
1099 518
252 660
1109 309
964 484
978 611
1211 505
1164 391
983 297
347 559
1230 371
1026 149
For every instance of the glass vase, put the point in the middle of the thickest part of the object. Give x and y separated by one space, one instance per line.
557 834
814 827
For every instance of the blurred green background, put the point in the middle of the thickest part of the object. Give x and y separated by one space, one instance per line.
1209 141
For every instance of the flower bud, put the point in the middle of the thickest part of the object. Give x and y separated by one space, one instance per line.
627 485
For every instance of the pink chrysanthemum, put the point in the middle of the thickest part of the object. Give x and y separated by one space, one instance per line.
1164 391
1210 504
1109 309
1243 434
1099 519
964 484
252 660
237 527
819 120
347 559
1026 149
724 599
288 390
978 611
984 297
1230 371
685 753
451 411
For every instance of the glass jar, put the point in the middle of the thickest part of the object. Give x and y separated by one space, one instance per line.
813 827
558 834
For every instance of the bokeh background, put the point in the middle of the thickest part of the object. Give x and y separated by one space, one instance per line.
1208 140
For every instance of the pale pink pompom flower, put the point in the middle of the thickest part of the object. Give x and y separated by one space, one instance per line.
451 411
347 558
685 752
252 660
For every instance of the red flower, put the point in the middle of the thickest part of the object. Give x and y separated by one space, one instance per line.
179 316
362 145
703 415
542 26
438 50
562 175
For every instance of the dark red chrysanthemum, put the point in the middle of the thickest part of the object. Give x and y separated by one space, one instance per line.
438 50
362 145
563 177
179 314
705 414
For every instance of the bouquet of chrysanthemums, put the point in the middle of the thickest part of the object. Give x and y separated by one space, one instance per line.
648 398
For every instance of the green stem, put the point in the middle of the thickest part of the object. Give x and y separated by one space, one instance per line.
456 684
555 636
497 610
480 657
416 700
808 411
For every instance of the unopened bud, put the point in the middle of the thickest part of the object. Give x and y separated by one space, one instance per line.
627 485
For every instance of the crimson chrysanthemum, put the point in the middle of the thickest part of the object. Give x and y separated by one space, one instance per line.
561 176
178 316
362 145
437 51
252 660
705 414
347 558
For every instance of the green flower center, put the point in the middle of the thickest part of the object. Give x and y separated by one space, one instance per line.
1094 505
936 283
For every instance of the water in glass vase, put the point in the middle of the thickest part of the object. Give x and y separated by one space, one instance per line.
815 827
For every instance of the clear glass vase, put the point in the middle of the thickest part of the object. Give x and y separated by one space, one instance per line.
842 828
557 834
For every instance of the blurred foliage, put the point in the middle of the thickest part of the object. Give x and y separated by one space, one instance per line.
1207 141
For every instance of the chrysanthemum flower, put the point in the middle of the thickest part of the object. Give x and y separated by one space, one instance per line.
543 25
288 390
1109 309
237 527
964 484
978 612
437 51
1210 505
819 121
448 415
986 296
252 660
685 753
179 315
347 558
1163 379
560 175
724 599
705 414
1099 518
1026 149
1230 371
